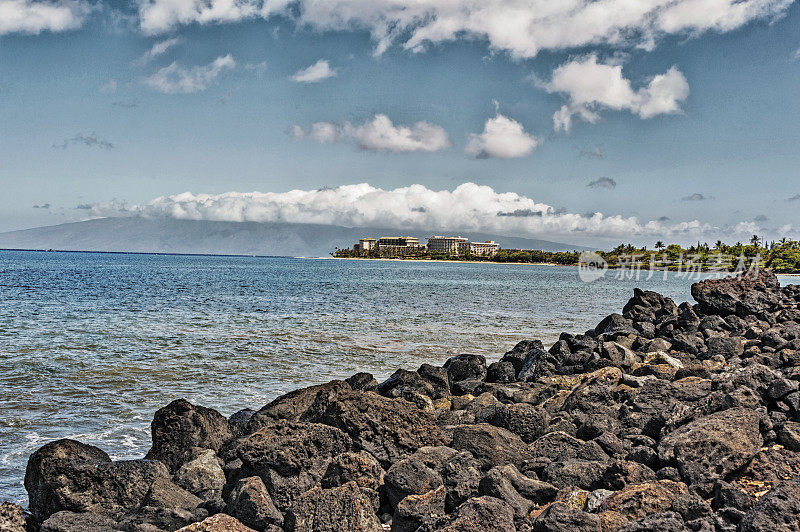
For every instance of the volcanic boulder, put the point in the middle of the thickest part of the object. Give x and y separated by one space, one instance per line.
748 293
69 475
180 426
292 458
389 429
341 509
713 446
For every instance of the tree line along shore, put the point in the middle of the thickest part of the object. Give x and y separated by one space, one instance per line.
779 256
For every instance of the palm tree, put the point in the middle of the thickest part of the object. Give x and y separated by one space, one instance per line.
755 240
718 245
660 245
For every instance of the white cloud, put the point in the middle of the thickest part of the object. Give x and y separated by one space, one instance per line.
562 119
28 16
175 79
588 82
159 48
469 207
718 15
520 27
379 134
109 86
664 94
159 16
322 132
590 86
315 73
502 137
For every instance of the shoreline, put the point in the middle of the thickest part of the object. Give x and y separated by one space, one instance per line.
552 264
393 259
453 261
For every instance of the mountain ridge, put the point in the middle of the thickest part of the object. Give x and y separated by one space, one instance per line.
168 235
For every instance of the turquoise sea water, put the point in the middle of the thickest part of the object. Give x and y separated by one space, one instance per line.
92 344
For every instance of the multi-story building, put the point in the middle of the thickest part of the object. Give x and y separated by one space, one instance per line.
446 245
437 245
398 241
457 246
397 245
366 244
484 249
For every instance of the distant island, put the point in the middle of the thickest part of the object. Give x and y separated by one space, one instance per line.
781 256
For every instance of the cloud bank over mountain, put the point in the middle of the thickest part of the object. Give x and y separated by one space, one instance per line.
468 207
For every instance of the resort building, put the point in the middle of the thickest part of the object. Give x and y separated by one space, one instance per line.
366 244
447 245
452 246
484 249
398 241
397 245
456 246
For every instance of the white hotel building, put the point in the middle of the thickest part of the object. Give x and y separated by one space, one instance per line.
456 245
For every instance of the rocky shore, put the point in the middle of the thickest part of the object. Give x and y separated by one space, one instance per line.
663 417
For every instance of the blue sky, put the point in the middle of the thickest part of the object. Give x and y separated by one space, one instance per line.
689 113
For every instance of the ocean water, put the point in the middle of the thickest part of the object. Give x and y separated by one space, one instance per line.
92 344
